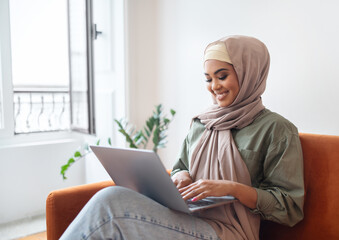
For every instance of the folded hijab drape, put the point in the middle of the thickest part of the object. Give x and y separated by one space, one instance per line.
216 156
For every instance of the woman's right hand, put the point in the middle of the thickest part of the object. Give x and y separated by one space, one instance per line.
182 179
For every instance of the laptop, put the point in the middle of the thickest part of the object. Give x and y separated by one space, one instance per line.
142 171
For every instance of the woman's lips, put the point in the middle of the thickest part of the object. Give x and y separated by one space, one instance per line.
220 96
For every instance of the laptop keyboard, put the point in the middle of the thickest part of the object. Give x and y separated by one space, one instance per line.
209 200
200 203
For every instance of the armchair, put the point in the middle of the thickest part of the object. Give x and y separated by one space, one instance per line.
321 173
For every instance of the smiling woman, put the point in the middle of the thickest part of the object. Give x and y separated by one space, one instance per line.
230 144
222 81
235 147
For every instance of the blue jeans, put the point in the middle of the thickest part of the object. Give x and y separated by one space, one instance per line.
120 213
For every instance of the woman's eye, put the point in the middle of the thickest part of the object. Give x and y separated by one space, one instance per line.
223 77
208 80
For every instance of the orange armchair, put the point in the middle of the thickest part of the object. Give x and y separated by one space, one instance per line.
321 172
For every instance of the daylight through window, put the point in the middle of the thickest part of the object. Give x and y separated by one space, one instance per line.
40 40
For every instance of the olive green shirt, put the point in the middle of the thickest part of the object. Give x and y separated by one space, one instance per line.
271 150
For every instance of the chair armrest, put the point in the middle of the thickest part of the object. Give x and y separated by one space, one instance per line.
62 206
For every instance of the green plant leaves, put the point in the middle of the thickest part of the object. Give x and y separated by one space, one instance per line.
126 131
155 128
70 161
166 121
65 167
77 154
172 112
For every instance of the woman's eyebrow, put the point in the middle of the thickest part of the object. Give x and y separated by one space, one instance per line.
216 72
221 69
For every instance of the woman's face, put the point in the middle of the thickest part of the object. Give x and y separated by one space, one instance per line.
222 82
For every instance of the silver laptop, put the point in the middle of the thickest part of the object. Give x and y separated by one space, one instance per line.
142 171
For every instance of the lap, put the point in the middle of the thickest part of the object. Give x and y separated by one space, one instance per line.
121 212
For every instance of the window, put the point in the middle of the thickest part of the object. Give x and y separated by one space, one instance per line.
46 97
38 92
81 64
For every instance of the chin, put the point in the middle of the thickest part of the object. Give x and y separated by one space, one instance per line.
222 104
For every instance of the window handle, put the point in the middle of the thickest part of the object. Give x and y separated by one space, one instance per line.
96 32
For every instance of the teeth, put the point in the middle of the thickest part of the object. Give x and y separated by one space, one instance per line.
221 95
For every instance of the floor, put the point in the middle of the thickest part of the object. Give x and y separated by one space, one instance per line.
38 236
25 229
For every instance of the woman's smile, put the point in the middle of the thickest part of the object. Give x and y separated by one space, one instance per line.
221 96
222 82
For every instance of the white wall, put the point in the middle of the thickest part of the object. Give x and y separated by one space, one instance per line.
142 62
30 171
302 38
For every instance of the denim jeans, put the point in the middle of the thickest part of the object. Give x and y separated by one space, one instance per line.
120 213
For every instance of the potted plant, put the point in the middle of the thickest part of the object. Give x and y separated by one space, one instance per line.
153 132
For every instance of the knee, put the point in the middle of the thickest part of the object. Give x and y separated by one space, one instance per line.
113 194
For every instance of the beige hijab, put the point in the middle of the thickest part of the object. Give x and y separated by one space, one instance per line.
216 156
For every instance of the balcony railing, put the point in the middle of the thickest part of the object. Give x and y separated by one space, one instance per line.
41 110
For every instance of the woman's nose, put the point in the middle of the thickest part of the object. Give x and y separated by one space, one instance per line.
215 85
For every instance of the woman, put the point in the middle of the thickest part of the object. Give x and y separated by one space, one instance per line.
236 147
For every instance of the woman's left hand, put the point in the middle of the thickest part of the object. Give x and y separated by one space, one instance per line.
202 188
206 188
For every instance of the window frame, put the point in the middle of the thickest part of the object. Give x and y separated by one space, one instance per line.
89 71
6 72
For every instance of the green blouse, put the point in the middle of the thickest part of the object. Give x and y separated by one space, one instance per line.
271 149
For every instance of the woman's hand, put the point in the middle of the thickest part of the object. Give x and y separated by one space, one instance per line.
206 188
182 179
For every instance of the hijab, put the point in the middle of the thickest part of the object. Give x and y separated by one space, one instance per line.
216 155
